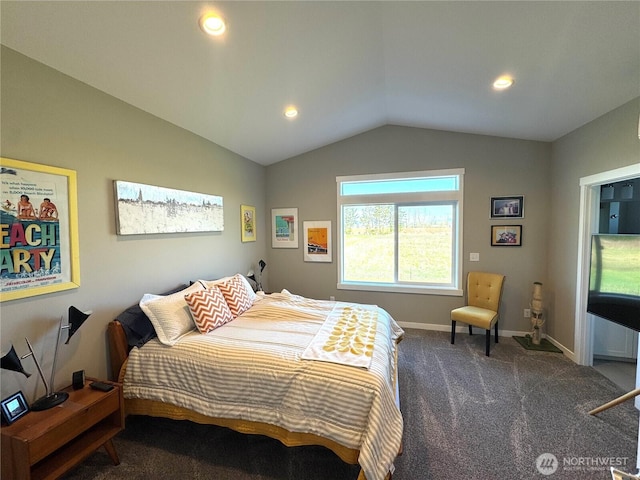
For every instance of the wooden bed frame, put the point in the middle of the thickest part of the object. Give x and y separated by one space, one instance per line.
119 352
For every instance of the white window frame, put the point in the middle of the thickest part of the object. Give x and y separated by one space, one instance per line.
455 196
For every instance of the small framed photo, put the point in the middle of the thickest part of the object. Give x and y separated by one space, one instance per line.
317 241
248 223
507 207
284 228
14 407
506 235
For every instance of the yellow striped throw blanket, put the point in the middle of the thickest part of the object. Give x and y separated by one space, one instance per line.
347 336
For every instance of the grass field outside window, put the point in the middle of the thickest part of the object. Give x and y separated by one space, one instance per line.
407 240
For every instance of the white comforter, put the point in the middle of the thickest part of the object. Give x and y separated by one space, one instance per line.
251 369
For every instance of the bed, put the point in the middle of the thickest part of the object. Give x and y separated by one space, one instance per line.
270 371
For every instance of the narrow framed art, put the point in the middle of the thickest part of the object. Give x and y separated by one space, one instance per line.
284 228
506 235
507 207
145 209
39 218
248 223
317 241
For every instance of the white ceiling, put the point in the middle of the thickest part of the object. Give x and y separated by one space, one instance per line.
349 66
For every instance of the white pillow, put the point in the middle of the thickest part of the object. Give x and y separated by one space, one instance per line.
213 283
170 315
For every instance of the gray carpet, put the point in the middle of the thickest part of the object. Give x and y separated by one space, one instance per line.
466 416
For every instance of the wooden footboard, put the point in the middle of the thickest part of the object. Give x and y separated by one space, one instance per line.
119 351
290 439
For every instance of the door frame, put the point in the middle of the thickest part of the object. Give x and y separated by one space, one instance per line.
589 211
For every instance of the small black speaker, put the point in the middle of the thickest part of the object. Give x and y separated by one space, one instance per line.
78 380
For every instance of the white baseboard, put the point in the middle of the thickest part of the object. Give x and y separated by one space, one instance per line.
459 328
568 353
502 333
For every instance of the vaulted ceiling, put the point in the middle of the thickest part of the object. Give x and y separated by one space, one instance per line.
348 66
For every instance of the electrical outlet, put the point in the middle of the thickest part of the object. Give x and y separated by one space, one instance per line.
474 257
527 313
332 298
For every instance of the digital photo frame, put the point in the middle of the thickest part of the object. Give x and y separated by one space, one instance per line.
14 407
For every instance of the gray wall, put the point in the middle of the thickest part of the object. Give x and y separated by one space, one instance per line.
52 119
547 174
494 167
607 143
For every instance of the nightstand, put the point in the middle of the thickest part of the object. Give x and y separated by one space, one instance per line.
48 443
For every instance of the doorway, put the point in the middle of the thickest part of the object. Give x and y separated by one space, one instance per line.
590 202
615 348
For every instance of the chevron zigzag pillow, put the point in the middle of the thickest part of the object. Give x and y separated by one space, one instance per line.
238 294
208 309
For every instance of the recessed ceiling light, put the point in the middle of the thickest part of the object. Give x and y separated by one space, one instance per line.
503 82
212 24
291 112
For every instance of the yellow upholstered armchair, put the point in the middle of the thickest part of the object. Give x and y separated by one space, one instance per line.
484 291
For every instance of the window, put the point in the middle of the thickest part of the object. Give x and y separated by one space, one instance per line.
401 232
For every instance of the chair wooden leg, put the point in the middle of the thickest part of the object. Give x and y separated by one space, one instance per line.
487 341
470 330
453 332
496 327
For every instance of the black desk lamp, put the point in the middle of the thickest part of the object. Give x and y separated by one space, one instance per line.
257 278
11 361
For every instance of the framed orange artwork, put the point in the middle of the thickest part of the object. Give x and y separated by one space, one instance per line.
317 241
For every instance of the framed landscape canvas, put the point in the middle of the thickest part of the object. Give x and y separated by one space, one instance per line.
145 209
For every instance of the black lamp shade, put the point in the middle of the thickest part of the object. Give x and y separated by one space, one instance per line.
76 319
11 361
